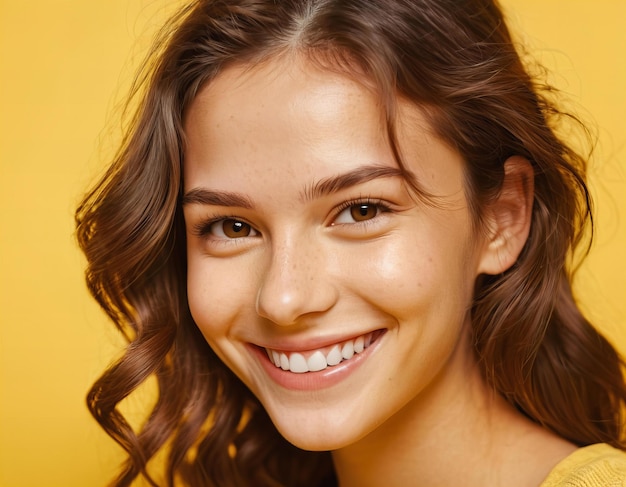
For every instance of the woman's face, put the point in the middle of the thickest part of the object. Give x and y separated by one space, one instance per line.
327 287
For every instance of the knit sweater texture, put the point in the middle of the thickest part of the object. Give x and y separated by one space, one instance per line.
598 465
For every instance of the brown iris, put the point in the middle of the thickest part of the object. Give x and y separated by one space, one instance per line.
235 228
363 211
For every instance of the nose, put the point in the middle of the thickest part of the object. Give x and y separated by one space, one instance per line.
296 283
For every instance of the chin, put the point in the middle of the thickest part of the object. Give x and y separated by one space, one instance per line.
315 441
323 433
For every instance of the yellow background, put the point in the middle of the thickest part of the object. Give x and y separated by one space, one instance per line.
64 67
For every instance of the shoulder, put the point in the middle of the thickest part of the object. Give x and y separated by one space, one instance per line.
591 466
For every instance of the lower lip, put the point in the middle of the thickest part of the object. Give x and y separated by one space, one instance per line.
309 381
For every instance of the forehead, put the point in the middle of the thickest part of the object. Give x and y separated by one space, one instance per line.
281 107
282 89
289 116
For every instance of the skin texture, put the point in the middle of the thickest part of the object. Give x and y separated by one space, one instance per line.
302 273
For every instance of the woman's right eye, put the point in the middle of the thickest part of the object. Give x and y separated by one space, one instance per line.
229 228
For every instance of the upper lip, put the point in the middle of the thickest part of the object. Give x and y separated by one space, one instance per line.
292 344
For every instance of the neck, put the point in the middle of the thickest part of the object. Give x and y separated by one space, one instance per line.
456 432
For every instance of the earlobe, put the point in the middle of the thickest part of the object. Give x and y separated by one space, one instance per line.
508 218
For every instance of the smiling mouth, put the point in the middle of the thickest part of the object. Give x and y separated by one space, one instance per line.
317 360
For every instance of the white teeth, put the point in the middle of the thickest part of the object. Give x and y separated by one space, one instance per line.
297 363
347 351
358 344
334 356
317 362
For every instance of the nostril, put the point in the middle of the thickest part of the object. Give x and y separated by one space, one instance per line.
295 281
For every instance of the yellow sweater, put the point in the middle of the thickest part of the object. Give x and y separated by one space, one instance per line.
598 465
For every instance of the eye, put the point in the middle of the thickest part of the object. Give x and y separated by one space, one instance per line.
229 228
359 212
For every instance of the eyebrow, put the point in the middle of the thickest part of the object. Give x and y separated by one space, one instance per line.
361 175
203 196
324 187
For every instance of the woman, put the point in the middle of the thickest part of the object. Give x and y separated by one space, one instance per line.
339 234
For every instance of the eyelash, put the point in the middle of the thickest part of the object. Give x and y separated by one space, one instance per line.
381 206
203 229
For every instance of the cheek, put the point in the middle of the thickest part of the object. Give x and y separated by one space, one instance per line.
413 271
218 292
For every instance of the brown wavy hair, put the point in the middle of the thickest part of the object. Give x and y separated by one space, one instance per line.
456 59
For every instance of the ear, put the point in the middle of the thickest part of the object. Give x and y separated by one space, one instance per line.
507 219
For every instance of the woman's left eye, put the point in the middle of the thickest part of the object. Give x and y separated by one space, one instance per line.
359 212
